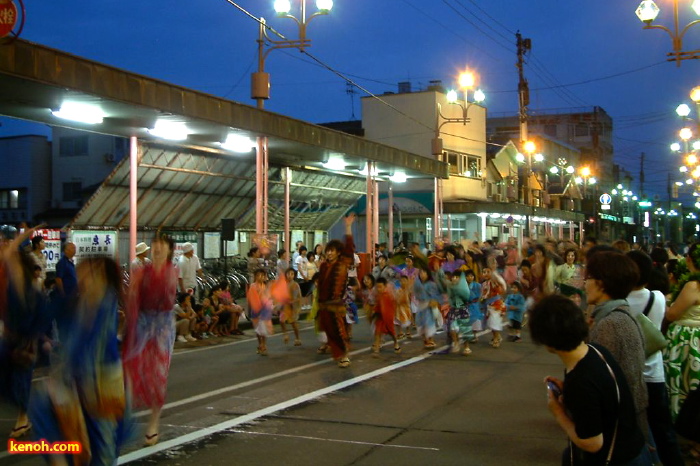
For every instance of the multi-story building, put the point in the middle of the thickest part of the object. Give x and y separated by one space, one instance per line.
588 130
25 180
81 162
413 121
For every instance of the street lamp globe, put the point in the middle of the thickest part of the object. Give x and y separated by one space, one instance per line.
586 172
324 5
696 145
529 147
647 11
466 80
683 110
553 170
479 96
683 169
570 169
695 94
539 157
696 7
592 180
676 147
578 180
692 159
282 7
685 133
520 158
452 96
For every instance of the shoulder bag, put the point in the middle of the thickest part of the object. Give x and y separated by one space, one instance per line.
654 340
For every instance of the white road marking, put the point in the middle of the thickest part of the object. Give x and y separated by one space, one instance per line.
222 426
306 437
247 383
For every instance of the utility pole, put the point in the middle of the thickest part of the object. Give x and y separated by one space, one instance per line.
524 46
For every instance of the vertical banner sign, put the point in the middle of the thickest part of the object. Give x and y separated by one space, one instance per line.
8 17
52 247
94 244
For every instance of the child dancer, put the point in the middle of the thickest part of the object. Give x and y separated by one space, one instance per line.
291 308
260 302
403 308
492 287
383 316
369 294
428 300
515 305
474 305
457 323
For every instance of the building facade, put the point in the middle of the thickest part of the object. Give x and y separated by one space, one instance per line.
25 180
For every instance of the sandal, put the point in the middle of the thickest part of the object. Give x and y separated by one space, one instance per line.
297 342
20 431
344 362
397 348
467 351
286 339
375 349
263 352
151 440
322 349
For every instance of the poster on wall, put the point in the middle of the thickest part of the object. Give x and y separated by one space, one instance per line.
212 246
94 244
266 243
52 247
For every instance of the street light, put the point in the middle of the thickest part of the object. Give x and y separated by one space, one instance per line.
466 81
260 91
647 11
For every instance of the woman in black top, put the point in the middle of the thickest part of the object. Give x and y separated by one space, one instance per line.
585 404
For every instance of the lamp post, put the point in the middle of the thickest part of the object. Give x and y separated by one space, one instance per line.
467 81
260 91
647 11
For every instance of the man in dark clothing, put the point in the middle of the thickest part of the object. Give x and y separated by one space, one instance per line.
332 286
66 279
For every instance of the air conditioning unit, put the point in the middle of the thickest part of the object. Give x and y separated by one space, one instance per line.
497 197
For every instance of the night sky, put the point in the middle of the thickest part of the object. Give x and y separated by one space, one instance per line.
583 54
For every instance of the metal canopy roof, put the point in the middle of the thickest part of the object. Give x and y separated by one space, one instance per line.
186 189
35 79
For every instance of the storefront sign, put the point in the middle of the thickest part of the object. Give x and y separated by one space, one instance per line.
180 238
8 17
94 244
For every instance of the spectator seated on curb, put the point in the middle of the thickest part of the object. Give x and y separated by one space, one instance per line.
185 318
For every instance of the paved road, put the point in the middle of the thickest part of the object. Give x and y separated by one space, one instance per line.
226 405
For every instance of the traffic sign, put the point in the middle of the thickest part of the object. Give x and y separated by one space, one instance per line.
605 199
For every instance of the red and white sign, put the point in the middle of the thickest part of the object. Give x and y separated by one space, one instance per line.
8 17
52 247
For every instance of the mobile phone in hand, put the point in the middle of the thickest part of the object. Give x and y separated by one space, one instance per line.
554 388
